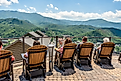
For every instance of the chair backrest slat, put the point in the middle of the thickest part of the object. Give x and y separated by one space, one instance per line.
36 55
68 50
107 48
86 49
5 58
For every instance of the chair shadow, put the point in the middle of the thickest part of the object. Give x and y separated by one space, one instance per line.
37 78
83 67
105 66
68 71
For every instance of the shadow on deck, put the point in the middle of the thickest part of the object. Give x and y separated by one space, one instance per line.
96 74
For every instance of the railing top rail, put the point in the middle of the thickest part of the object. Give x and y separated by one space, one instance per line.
59 37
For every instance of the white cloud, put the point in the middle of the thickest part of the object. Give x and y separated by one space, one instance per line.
50 6
79 16
7 3
56 8
116 0
4 2
28 9
22 10
32 8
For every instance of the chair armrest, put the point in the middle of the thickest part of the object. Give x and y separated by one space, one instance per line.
22 56
58 53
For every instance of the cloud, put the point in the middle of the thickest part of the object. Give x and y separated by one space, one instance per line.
7 3
32 8
56 8
79 16
22 10
50 6
28 9
116 0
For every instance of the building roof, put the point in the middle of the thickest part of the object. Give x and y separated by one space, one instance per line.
33 34
41 33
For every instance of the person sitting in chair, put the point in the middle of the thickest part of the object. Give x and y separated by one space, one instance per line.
99 47
104 41
34 43
12 57
68 40
84 40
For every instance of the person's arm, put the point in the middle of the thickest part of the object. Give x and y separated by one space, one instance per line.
99 47
59 50
26 55
78 46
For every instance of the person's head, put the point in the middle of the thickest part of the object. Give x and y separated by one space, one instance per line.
84 39
68 40
36 43
1 45
106 40
61 41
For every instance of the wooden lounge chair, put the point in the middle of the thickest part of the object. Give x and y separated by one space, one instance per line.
36 60
6 67
85 53
119 59
66 56
105 53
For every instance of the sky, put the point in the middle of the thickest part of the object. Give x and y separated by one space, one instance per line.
76 10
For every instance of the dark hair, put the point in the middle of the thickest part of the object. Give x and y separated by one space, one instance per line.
84 38
36 43
68 40
1 43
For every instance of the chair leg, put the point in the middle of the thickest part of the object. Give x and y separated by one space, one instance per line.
89 63
94 54
44 71
12 72
110 62
119 57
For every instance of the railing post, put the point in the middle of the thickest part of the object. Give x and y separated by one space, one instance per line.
110 38
56 41
23 44
56 47
41 40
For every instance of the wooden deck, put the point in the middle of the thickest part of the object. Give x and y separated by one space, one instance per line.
96 74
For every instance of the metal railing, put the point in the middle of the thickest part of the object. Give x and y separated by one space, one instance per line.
55 40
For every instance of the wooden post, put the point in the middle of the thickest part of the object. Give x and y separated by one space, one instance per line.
110 38
23 44
41 40
56 47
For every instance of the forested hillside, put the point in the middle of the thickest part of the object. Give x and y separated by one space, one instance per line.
12 27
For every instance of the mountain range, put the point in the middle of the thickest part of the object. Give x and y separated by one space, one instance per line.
40 20
16 24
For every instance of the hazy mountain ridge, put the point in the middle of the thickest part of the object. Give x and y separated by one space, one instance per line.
39 20
32 17
13 22
12 27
